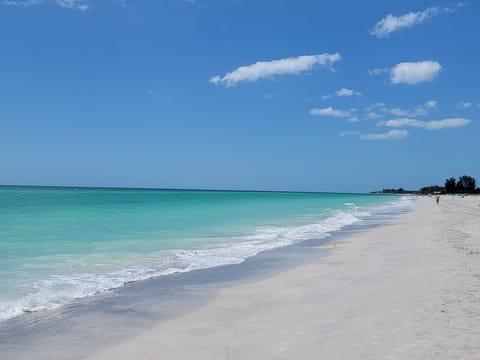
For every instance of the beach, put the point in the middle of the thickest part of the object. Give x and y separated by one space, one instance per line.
209 180
399 284
405 290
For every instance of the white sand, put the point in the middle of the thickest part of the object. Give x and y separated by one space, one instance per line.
406 290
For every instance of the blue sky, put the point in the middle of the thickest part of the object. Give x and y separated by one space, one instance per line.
274 95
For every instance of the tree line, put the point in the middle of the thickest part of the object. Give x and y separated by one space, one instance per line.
464 185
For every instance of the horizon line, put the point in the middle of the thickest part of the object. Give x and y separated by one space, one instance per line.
180 189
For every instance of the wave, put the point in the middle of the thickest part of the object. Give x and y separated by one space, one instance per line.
59 290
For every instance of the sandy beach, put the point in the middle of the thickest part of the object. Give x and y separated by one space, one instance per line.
405 290
207 180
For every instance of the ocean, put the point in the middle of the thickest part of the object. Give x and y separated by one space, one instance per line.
58 245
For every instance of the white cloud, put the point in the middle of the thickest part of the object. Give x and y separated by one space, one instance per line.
375 106
349 133
446 123
378 71
391 23
329 111
429 125
22 2
373 115
378 110
347 92
420 110
390 135
342 92
268 96
267 69
81 5
400 122
397 111
73 4
412 73
464 105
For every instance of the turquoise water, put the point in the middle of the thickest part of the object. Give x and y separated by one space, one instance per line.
61 244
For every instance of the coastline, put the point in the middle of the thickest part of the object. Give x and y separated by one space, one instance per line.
407 289
109 318
131 236
363 290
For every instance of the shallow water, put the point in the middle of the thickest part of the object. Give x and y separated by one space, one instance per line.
61 244
82 326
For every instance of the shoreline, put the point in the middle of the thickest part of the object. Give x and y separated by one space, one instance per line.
385 291
99 321
404 290
62 289
127 237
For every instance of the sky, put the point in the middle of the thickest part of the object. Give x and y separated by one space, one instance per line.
345 95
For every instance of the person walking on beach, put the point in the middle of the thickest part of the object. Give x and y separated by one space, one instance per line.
438 199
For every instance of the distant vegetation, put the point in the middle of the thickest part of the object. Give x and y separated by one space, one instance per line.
432 189
396 191
464 185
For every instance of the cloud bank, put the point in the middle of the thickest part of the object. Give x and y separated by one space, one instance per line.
267 69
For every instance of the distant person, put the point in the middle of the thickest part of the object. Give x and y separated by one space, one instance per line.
438 199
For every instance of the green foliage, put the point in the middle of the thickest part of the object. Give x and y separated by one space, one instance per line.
450 185
464 185
467 184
